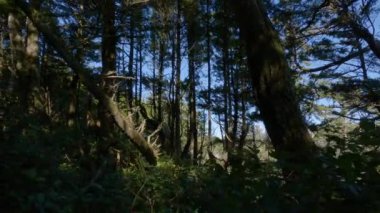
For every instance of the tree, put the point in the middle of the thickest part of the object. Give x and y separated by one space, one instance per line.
272 82
125 123
108 52
191 16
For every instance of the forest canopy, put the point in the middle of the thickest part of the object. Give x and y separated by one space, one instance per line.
189 105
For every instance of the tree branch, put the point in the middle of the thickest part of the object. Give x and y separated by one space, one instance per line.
336 62
363 33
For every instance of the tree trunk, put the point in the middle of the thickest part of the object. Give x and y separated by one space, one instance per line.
136 74
160 85
72 112
2 55
190 15
226 78
235 85
141 61
209 126
272 82
154 84
172 92
108 62
19 76
131 60
32 50
244 126
177 105
109 40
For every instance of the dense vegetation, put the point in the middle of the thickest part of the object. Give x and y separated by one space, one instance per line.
189 106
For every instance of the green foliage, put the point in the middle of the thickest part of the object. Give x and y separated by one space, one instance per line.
344 182
60 170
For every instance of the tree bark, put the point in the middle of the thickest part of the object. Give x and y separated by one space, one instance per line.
235 119
18 73
209 105
74 85
108 50
131 59
32 50
177 105
154 84
109 40
2 55
160 83
141 60
226 77
24 56
125 123
193 131
190 15
272 83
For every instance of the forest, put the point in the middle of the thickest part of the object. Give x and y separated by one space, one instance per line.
189 106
